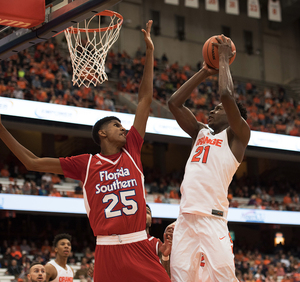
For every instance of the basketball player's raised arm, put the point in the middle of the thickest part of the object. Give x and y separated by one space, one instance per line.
146 88
29 160
237 124
185 118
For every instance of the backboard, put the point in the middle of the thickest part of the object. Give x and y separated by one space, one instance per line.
59 15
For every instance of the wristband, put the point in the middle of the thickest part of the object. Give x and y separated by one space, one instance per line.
165 258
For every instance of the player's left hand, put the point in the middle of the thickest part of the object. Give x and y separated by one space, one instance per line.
166 247
224 46
147 36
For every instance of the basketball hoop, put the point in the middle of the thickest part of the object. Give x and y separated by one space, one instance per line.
89 47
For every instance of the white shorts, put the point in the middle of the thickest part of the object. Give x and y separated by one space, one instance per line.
195 235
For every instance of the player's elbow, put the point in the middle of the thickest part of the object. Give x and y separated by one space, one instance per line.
171 104
33 165
225 92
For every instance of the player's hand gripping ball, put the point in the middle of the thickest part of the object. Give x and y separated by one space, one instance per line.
210 52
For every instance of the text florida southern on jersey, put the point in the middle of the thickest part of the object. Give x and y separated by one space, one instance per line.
113 188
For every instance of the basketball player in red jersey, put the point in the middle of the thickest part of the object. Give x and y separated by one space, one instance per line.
113 188
162 250
201 227
57 270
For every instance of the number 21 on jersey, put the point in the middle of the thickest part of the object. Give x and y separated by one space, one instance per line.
201 154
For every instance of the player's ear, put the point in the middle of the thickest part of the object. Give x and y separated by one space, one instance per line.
102 133
28 277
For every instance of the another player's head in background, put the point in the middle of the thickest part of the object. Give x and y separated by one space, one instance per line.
103 128
148 218
218 118
36 273
62 245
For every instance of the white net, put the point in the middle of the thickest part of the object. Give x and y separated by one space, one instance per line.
89 47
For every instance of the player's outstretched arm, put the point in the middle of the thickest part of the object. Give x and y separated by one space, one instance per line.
146 88
29 160
237 124
182 114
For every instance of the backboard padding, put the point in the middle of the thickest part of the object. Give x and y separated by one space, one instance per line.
59 20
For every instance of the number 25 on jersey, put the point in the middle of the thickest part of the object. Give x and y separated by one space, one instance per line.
130 206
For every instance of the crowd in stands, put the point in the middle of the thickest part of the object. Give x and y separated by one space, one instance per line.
17 257
251 266
43 73
280 193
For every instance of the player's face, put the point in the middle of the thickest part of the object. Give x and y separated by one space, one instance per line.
37 273
116 132
149 217
217 117
63 248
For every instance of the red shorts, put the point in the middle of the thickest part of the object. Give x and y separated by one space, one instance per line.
128 263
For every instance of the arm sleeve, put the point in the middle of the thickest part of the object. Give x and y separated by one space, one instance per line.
75 167
134 143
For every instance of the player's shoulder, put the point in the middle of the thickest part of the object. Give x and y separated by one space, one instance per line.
50 267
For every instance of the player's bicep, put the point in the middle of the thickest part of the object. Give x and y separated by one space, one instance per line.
51 165
51 272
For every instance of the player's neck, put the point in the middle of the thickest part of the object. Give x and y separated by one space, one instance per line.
61 261
107 150
220 129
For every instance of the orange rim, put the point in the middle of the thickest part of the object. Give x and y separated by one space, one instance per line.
103 13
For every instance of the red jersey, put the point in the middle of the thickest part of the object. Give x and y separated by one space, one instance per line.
113 187
154 243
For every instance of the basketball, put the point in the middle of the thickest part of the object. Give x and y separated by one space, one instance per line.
210 52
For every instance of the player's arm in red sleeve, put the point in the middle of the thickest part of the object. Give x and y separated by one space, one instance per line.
146 88
28 159
238 126
75 167
184 117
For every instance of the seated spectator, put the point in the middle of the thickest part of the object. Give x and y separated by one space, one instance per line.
82 273
55 179
287 200
26 189
4 171
15 253
78 188
14 269
43 191
46 246
55 193
24 246
47 177
252 201
158 199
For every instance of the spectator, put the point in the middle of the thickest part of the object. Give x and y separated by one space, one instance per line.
25 247
14 269
82 273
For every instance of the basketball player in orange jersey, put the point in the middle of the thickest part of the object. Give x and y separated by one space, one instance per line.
37 273
215 156
57 270
113 188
